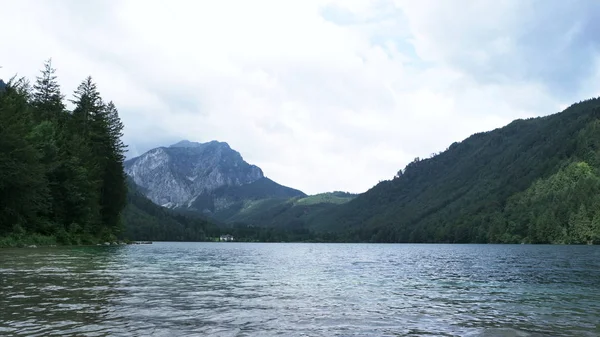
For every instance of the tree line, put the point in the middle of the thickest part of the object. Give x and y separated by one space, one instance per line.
61 170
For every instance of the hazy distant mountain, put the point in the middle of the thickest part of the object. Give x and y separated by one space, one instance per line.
206 177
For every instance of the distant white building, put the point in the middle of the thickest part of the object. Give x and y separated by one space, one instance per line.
226 238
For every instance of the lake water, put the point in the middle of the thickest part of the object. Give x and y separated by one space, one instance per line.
253 289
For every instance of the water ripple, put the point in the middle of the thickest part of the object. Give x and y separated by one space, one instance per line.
234 289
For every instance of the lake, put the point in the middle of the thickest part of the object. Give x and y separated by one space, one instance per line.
287 289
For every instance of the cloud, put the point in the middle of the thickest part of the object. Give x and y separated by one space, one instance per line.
321 94
553 43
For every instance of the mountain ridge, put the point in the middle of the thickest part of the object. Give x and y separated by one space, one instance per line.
465 193
203 177
176 174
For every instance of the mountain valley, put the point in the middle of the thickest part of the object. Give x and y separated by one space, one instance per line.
213 180
534 180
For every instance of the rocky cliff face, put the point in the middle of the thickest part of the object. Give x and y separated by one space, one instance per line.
176 176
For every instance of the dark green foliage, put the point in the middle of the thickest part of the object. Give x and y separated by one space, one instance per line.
61 173
243 232
47 100
514 184
564 208
24 197
147 221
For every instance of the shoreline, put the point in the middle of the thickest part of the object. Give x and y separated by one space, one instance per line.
105 244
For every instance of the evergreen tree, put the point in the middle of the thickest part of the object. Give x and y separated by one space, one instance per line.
47 99
101 129
49 116
114 188
88 104
87 129
78 208
61 173
23 188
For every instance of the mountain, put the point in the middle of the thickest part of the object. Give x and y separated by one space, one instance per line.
532 181
175 175
225 198
2 85
535 180
144 220
204 177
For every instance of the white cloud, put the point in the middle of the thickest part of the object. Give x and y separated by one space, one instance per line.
321 94
509 41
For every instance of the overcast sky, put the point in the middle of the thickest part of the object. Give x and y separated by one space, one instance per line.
321 94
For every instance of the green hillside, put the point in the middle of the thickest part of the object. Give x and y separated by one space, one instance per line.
337 198
535 180
289 213
144 220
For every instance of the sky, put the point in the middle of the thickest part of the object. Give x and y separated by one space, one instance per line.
323 95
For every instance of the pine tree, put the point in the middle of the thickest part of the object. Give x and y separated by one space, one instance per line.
78 198
85 126
23 188
101 129
114 189
115 130
61 173
88 104
49 116
47 99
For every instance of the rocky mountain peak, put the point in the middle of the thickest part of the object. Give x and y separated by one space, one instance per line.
188 144
177 174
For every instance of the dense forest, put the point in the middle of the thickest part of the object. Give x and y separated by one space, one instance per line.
61 171
533 181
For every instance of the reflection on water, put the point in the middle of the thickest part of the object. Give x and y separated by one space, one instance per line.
236 289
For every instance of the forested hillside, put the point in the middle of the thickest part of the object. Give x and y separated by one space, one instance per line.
291 213
144 220
535 180
61 171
